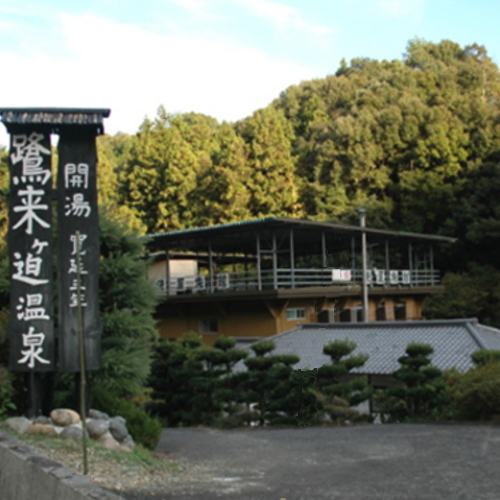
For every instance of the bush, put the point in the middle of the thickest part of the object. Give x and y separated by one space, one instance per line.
145 429
484 356
477 392
420 394
6 393
342 390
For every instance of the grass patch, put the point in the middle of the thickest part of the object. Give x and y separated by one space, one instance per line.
69 452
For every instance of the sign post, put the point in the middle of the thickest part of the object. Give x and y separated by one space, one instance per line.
31 325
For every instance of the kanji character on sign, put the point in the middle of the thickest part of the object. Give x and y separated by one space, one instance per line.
34 342
29 150
73 267
28 270
81 239
78 207
30 307
76 176
30 199
73 300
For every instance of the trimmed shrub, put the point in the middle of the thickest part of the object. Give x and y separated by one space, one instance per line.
477 392
341 390
420 394
484 356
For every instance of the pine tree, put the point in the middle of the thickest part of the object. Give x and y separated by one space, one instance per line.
127 302
421 389
339 389
190 381
273 187
112 154
160 176
223 193
267 383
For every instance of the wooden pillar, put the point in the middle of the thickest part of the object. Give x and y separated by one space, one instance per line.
353 256
259 273
292 258
323 250
275 263
410 263
167 271
387 263
210 267
431 257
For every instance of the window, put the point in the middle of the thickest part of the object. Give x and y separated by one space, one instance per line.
208 325
296 313
380 312
357 314
400 311
345 316
351 315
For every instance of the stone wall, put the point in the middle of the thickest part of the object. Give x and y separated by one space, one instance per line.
25 475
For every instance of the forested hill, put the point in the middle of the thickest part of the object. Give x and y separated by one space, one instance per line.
401 138
415 141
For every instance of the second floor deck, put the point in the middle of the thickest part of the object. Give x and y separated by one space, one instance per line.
285 254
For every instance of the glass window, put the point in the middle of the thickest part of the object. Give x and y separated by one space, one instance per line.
351 315
357 314
296 313
400 311
208 325
380 312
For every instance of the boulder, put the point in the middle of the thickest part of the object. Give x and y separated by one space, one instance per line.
18 424
72 432
64 417
127 444
42 420
118 429
98 415
46 429
120 419
97 428
108 441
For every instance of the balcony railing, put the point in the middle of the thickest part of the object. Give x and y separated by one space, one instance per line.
294 278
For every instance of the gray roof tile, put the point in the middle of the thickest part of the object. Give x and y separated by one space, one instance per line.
453 341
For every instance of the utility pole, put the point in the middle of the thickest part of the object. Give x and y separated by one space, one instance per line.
362 223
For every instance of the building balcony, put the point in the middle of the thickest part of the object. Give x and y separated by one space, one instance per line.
287 278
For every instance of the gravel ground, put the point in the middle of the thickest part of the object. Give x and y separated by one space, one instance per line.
138 475
383 462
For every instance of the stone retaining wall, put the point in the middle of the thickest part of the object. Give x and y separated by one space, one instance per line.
25 475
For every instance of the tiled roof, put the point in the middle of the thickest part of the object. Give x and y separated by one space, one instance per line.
453 341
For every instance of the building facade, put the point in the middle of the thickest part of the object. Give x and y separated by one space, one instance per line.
262 277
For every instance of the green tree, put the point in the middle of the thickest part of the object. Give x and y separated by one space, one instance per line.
421 390
223 193
190 381
127 302
339 389
267 383
476 393
273 188
160 176
472 293
396 136
303 404
112 153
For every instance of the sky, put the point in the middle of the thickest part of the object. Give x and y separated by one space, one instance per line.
222 58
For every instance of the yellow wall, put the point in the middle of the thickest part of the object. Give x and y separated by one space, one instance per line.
264 319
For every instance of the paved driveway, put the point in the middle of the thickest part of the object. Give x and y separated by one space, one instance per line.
389 462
